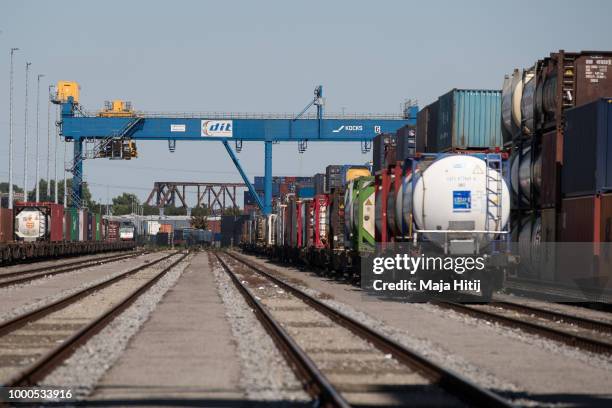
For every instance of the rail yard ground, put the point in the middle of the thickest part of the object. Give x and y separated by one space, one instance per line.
186 328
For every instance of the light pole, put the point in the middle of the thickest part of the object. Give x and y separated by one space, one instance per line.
65 182
25 151
38 136
49 145
10 203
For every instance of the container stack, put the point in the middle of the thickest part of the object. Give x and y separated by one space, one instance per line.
550 116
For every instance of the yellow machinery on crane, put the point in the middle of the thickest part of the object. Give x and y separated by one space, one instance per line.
118 148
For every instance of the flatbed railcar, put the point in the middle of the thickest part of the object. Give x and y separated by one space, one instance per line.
11 252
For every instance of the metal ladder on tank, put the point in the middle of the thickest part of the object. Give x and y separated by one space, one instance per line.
494 190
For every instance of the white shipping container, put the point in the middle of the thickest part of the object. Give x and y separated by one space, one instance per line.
152 227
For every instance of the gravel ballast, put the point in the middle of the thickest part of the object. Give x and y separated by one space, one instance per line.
264 373
85 367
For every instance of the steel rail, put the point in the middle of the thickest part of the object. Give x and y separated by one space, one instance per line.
314 381
572 339
21 320
583 322
453 383
69 267
36 371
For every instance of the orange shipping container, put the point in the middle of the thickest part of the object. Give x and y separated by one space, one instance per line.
165 228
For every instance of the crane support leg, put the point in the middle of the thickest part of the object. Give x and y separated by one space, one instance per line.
268 180
77 175
243 175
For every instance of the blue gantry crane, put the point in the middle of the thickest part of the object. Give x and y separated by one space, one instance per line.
111 132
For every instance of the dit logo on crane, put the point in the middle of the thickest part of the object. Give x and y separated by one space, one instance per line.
217 128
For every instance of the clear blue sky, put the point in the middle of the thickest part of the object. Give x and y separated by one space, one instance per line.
267 56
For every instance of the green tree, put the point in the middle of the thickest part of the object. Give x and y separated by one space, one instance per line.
124 203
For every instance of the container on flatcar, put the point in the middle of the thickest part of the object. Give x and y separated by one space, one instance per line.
469 119
319 183
427 128
39 221
383 145
587 149
6 225
450 208
405 143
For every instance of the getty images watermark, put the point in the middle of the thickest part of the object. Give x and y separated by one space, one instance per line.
410 266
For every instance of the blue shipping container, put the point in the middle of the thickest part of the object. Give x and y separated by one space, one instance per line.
587 149
469 118
306 192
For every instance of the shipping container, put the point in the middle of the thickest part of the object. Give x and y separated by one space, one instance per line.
90 226
319 183
427 128
333 177
383 145
585 230
98 231
550 186
305 192
6 225
163 239
336 219
82 224
71 219
405 143
165 228
587 149
568 79
49 225
469 119
230 229
151 227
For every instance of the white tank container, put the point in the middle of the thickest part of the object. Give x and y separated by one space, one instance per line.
450 194
523 173
512 92
529 245
31 225
527 103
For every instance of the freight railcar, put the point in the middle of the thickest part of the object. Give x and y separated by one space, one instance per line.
43 229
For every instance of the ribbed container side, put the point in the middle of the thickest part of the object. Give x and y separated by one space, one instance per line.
550 187
405 143
6 225
469 119
587 149
57 221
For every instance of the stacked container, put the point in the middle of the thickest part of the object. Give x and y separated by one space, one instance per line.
556 149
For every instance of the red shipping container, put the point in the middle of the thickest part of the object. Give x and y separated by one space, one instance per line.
214 226
6 225
112 231
552 158
321 213
585 220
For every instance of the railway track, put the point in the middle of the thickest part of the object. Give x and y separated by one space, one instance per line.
33 344
23 276
341 361
581 332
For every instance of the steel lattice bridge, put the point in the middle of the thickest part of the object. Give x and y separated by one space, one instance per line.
217 196
79 126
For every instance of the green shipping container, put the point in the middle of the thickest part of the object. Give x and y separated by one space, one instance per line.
98 233
73 213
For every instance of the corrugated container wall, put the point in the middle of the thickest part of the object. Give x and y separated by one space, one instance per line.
382 143
469 119
319 183
587 149
6 225
406 142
